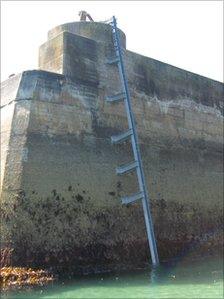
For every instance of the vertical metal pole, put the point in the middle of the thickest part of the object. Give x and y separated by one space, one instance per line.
136 151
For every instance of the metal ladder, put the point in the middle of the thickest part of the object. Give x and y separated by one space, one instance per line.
131 134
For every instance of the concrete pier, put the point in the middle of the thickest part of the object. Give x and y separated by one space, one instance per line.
60 194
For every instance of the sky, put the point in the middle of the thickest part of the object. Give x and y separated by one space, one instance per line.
186 34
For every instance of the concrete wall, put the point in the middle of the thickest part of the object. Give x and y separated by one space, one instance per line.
9 90
68 209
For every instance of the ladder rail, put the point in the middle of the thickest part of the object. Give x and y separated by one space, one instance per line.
136 150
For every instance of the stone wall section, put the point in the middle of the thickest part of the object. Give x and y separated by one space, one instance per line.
9 91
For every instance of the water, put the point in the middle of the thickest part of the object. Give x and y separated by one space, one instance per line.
198 279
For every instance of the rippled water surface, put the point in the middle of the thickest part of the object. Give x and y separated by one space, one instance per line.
197 279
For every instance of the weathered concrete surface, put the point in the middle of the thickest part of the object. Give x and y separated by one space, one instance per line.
9 90
60 199
97 31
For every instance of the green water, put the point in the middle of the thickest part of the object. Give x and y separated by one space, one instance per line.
197 279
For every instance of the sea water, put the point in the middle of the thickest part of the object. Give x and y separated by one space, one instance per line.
181 279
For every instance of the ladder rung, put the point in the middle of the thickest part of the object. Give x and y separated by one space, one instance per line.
113 60
129 199
116 97
121 137
127 167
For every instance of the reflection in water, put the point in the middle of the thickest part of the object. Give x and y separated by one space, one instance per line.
198 279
